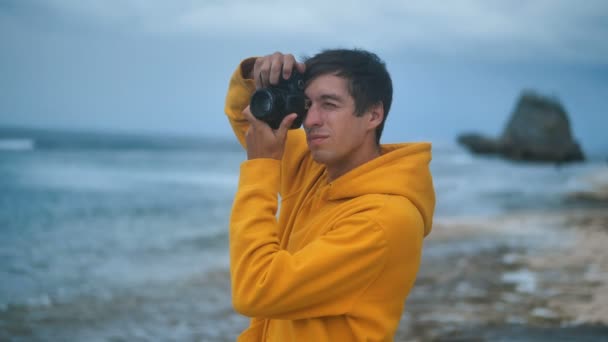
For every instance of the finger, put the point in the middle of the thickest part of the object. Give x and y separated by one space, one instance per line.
288 63
285 124
301 67
257 67
275 68
262 73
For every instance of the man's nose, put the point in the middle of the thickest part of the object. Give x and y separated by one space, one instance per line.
313 117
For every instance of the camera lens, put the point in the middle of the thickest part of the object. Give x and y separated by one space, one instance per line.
262 103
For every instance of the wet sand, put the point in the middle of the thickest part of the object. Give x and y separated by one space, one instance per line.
529 276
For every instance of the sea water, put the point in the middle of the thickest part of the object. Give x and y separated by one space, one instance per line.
108 237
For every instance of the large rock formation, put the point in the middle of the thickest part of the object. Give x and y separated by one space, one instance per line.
538 130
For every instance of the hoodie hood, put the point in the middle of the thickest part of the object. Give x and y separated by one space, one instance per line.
401 170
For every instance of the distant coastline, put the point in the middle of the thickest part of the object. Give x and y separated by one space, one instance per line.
13 137
46 138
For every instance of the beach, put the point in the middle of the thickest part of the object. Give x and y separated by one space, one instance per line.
109 238
532 276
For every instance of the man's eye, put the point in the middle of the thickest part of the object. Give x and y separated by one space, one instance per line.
329 105
307 104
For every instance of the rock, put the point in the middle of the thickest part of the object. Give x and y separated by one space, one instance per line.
479 143
538 130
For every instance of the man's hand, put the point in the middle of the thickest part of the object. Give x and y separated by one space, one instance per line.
263 141
268 69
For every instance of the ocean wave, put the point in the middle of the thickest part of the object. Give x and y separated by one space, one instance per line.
17 144
598 180
195 308
103 141
591 187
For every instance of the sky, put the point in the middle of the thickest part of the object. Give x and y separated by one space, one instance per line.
163 66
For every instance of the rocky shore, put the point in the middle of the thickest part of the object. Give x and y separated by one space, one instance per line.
529 276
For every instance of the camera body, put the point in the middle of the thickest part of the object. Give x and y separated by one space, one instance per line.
275 102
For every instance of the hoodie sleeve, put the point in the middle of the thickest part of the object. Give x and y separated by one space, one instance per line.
296 161
324 278
238 97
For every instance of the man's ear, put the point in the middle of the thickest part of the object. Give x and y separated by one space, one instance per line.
376 115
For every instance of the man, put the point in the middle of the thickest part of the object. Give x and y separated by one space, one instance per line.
343 254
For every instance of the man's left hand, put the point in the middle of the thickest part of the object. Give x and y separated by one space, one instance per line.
263 141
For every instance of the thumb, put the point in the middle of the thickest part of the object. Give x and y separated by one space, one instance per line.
286 123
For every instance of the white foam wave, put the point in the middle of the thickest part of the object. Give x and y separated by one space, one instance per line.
17 144
524 280
591 185
599 179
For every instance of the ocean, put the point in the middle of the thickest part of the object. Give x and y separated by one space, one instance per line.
118 237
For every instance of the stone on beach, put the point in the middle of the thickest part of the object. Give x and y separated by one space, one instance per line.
538 130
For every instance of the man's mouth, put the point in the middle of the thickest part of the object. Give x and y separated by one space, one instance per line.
315 139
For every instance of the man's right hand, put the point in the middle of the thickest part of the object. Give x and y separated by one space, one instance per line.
268 69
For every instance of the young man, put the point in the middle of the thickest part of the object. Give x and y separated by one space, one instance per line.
340 260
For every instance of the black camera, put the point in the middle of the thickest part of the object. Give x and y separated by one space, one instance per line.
274 103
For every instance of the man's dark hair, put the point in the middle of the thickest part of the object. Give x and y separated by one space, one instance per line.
369 82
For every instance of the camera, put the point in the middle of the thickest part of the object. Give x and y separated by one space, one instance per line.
275 102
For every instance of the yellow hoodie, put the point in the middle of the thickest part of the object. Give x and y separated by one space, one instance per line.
342 257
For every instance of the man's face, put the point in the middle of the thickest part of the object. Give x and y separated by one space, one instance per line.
334 134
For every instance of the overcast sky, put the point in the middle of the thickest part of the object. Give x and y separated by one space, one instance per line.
163 66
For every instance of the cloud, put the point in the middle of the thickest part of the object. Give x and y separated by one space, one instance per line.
560 31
